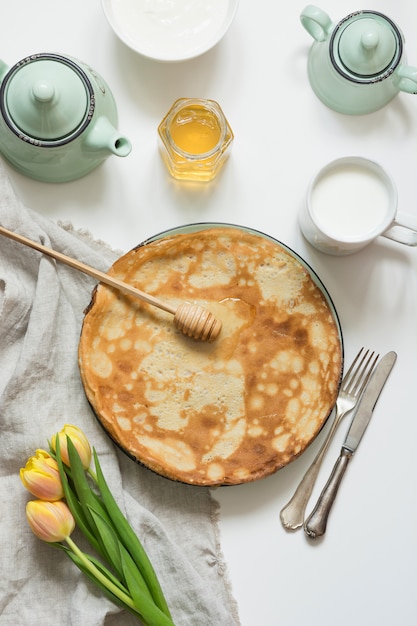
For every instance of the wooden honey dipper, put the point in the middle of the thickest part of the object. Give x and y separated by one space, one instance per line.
191 319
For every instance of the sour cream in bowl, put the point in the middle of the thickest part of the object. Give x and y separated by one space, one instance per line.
170 30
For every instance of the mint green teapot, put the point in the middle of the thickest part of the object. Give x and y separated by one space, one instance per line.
57 118
357 65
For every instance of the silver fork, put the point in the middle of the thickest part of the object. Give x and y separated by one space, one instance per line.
292 515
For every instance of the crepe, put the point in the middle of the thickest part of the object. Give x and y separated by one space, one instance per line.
232 411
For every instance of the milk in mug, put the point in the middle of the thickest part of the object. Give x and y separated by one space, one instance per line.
349 202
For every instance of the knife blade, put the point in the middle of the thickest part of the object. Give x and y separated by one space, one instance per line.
315 524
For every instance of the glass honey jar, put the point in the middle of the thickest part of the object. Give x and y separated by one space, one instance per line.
195 139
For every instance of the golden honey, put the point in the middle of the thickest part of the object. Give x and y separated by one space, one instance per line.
195 138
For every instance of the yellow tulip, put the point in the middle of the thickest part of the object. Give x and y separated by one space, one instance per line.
50 521
41 477
79 440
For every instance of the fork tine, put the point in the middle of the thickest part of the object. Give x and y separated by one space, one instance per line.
346 379
366 378
361 374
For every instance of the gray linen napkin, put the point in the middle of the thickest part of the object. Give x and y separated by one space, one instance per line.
41 312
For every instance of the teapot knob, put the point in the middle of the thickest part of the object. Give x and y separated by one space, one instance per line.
370 40
43 91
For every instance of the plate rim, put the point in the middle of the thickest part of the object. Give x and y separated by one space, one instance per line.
193 227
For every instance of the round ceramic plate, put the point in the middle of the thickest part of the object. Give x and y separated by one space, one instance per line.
170 31
227 412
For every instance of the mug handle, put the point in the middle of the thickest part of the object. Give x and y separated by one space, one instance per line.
403 229
316 22
408 78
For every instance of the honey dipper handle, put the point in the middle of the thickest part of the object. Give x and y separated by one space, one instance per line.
191 319
86 269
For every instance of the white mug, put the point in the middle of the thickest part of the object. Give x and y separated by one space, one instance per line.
351 202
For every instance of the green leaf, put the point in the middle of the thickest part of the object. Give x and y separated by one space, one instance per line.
127 561
81 520
130 540
109 540
82 488
151 615
72 501
102 568
124 565
87 498
117 601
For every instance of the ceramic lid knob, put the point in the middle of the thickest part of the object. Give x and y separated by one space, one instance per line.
47 99
43 91
370 39
367 46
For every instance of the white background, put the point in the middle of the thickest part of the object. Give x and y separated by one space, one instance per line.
364 570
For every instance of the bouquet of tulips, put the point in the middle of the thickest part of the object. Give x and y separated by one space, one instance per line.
70 493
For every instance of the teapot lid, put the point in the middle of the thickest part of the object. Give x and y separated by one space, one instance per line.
47 98
366 44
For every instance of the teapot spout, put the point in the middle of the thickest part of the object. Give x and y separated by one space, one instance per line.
103 136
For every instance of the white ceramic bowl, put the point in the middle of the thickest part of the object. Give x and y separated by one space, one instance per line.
170 30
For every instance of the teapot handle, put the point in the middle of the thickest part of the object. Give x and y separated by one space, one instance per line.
408 78
3 70
316 22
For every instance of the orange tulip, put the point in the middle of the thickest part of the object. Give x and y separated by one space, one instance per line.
79 440
50 521
41 477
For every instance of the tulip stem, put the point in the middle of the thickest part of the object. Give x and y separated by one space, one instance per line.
92 473
100 577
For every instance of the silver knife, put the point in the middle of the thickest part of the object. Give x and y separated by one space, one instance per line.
315 524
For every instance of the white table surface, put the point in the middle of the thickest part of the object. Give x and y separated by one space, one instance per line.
364 570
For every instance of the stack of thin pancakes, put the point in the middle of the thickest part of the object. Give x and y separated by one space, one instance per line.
231 411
